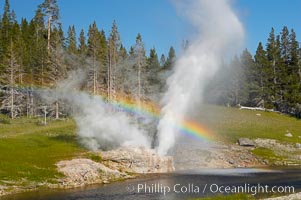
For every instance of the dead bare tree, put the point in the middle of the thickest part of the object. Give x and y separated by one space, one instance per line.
9 78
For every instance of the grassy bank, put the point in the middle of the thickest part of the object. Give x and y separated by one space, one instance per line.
229 124
29 151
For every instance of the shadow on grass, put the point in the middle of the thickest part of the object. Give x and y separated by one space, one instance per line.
70 139
65 138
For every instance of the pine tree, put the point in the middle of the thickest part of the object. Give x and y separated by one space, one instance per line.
140 59
38 50
236 85
71 40
50 9
131 51
152 70
169 64
114 45
93 48
82 48
26 41
264 76
292 73
102 58
286 70
273 56
162 60
102 55
6 26
153 61
57 69
284 45
11 103
251 79
123 53
19 51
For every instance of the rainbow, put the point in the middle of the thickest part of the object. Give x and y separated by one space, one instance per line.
186 127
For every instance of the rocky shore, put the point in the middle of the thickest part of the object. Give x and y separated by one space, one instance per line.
118 164
246 153
115 165
215 155
128 162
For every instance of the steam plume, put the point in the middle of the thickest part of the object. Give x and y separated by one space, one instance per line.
98 126
219 33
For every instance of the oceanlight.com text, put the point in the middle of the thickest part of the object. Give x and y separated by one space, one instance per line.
213 188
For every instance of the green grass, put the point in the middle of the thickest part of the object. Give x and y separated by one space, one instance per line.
94 157
268 154
28 151
229 124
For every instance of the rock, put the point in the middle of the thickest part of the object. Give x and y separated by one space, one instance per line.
298 145
137 160
287 197
231 162
265 161
116 164
299 137
278 163
246 142
258 114
79 172
288 134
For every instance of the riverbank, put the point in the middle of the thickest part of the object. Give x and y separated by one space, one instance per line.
106 167
30 151
120 189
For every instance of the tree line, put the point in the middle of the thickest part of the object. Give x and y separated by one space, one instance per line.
270 79
37 53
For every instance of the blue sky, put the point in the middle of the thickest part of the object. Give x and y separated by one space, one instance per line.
158 22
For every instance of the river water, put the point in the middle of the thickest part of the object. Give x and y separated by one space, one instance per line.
186 185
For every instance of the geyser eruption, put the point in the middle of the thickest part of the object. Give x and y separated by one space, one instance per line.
219 33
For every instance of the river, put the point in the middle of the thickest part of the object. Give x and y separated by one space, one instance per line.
185 185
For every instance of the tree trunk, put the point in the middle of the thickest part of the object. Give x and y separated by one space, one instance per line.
262 86
12 103
139 82
113 78
94 74
236 93
109 76
49 32
12 84
42 78
45 115
275 80
57 110
32 105
27 104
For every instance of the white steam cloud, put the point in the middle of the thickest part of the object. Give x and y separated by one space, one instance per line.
99 126
219 33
